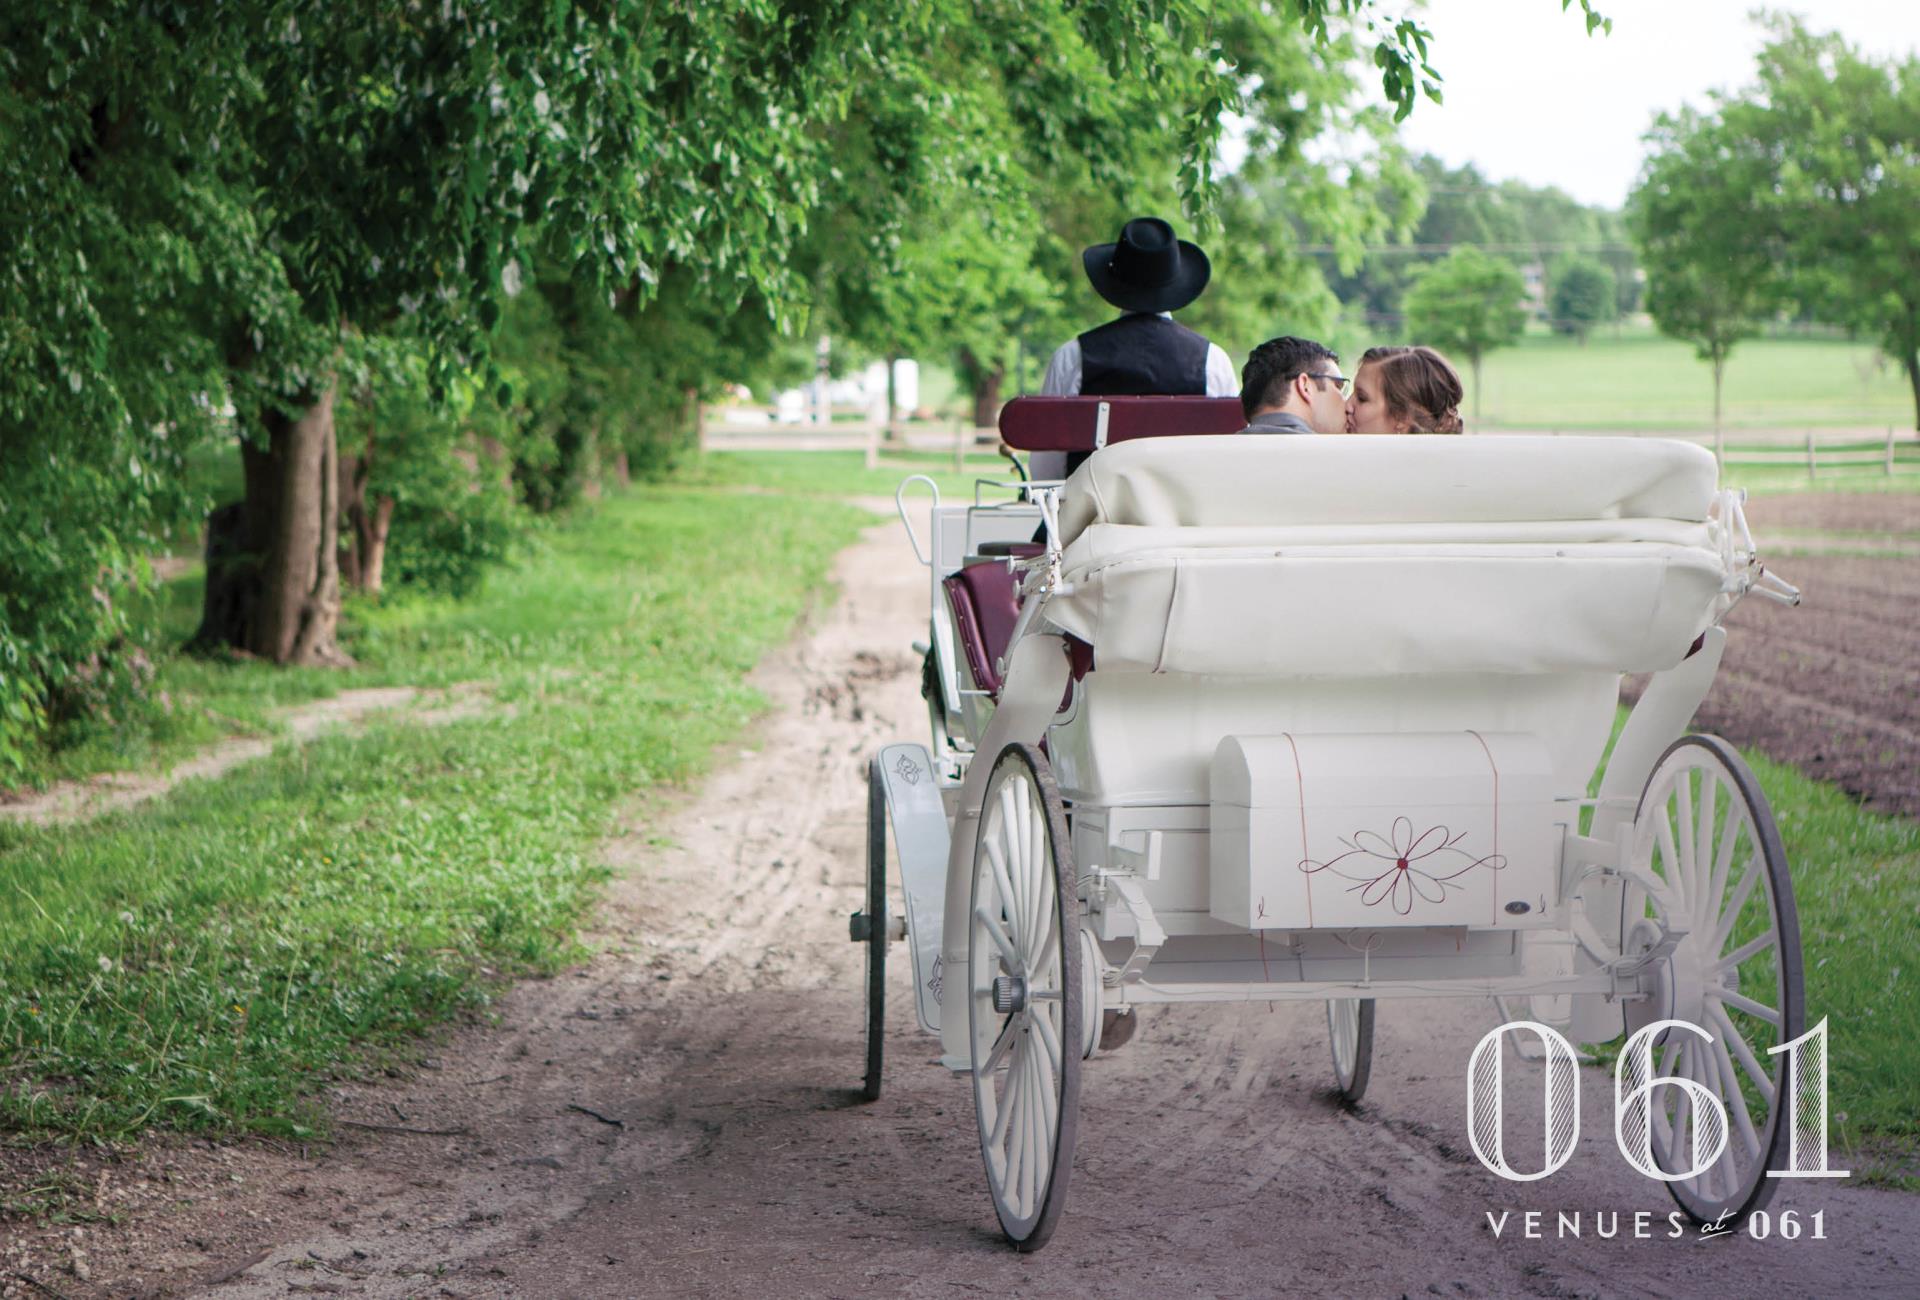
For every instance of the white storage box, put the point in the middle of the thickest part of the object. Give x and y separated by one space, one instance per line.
1383 829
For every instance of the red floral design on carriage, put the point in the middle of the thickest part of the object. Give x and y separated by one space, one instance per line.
1401 849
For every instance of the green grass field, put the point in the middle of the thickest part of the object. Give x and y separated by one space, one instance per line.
1641 381
1635 379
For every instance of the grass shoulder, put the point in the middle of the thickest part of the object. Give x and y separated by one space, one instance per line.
208 960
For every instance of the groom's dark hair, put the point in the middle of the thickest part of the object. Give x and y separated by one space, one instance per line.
1273 365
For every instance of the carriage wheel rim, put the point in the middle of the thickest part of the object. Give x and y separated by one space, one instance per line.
1705 829
1025 1076
1350 1035
878 924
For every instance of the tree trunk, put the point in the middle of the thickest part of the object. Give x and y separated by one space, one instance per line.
893 397
1475 359
1912 363
273 563
986 398
373 544
1719 433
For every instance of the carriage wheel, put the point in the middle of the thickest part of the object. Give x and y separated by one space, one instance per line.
1350 1027
879 925
1024 995
1705 829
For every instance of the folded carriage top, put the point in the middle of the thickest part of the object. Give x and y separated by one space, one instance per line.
1363 556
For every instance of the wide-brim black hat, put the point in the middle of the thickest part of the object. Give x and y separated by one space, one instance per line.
1147 269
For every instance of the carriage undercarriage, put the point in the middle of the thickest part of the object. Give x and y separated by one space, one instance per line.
1042 898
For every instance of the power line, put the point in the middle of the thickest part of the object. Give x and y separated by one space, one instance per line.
1567 247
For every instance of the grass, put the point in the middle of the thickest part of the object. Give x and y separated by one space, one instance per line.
208 960
1644 382
1856 883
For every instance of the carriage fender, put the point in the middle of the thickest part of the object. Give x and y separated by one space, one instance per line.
1037 672
1661 717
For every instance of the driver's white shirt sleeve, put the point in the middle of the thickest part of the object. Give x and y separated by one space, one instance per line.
1222 379
1063 380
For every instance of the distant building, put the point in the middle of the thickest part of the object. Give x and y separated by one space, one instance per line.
1534 276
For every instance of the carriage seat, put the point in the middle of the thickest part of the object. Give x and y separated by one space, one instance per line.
1375 556
985 602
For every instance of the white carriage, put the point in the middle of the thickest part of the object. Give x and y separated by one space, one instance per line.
1280 717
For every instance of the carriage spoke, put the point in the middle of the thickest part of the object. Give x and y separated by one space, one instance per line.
1041 934
1758 1010
1762 1082
1045 1078
1744 951
1009 900
1011 877
1730 914
1029 1128
1730 1083
1008 1032
1001 940
1037 874
1669 859
1042 964
1736 830
1022 859
1049 1037
1721 1173
1682 1114
1683 797
1703 847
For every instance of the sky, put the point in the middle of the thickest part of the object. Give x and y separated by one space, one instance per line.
1530 97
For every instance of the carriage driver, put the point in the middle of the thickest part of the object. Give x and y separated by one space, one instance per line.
1146 273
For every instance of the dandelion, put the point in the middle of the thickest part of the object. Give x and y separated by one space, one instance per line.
106 965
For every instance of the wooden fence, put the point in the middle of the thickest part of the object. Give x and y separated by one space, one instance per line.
1890 454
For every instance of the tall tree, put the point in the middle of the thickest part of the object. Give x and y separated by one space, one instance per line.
1839 130
1583 296
1711 249
1469 304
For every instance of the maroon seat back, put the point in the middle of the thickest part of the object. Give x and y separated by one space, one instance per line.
1088 423
986 604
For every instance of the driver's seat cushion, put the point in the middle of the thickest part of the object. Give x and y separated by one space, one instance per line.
986 604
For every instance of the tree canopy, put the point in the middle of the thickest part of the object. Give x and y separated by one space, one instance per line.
1802 190
433 226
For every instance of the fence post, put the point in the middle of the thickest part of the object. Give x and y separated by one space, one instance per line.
1889 449
1813 469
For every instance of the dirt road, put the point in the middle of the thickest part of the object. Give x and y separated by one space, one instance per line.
677 1117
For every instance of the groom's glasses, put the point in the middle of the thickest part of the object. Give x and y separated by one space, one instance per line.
1345 385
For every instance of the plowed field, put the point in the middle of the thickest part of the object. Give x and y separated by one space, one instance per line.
1833 686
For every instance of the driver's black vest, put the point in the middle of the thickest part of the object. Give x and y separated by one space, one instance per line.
1143 355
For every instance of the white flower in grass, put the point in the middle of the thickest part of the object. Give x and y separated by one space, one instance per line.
106 965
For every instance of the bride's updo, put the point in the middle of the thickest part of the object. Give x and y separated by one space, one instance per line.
1419 386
